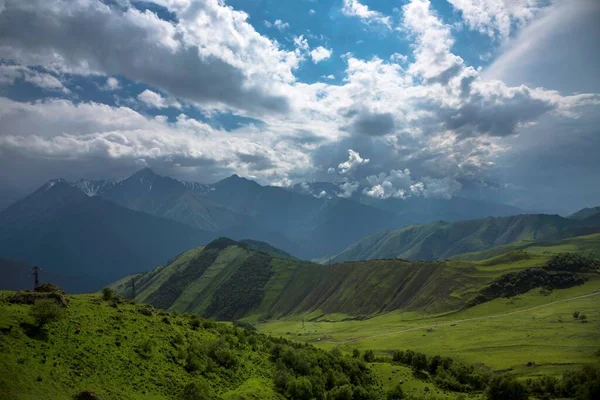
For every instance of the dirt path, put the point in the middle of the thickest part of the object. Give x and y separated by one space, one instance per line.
465 320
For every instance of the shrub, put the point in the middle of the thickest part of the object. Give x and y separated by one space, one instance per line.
356 353
46 311
222 355
344 392
506 387
576 314
369 356
419 362
197 391
195 323
396 393
145 349
300 389
107 294
87 395
583 318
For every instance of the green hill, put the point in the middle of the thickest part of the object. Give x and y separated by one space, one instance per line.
587 245
229 280
585 213
120 350
440 240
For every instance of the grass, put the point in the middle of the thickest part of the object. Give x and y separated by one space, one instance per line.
118 354
504 334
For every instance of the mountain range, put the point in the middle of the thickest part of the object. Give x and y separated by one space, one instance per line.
93 232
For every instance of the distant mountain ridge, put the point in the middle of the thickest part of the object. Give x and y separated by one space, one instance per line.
88 241
440 240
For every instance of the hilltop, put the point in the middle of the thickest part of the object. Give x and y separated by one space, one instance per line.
441 240
231 280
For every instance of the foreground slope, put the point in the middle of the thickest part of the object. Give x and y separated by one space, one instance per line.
120 350
439 240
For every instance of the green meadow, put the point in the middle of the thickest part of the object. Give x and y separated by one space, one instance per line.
505 334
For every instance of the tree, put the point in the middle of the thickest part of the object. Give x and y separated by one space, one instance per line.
583 318
45 311
300 389
419 362
506 387
396 393
369 356
576 314
197 391
107 294
356 353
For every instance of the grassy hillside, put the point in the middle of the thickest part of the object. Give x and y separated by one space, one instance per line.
125 351
586 245
504 334
440 240
230 280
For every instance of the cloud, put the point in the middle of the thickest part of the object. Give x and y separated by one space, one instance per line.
320 54
497 18
111 84
354 8
279 24
347 189
209 54
10 73
354 160
399 184
312 12
373 124
153 99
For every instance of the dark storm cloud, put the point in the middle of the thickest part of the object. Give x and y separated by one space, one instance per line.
94 36
372 124
258 162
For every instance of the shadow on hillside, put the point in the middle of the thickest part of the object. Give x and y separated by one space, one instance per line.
33 331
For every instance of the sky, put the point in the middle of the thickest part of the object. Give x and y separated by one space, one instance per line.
490 99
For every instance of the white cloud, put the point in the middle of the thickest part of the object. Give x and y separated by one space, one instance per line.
354 160
320 54
279 24
112 83
211 54
399 58
355 9
497 18
153 99
400 185
329 77
347 189
312 12
10 73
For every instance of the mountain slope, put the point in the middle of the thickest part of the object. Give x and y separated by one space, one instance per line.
120 350
229 280
90 240
585 213
440 240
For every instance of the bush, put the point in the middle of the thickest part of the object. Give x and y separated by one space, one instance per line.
86 395
344 392
576 314
356 353
300 389
369 356
145 349
583 318
506 387
396 393
46 311
107 294
195 323
197 391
